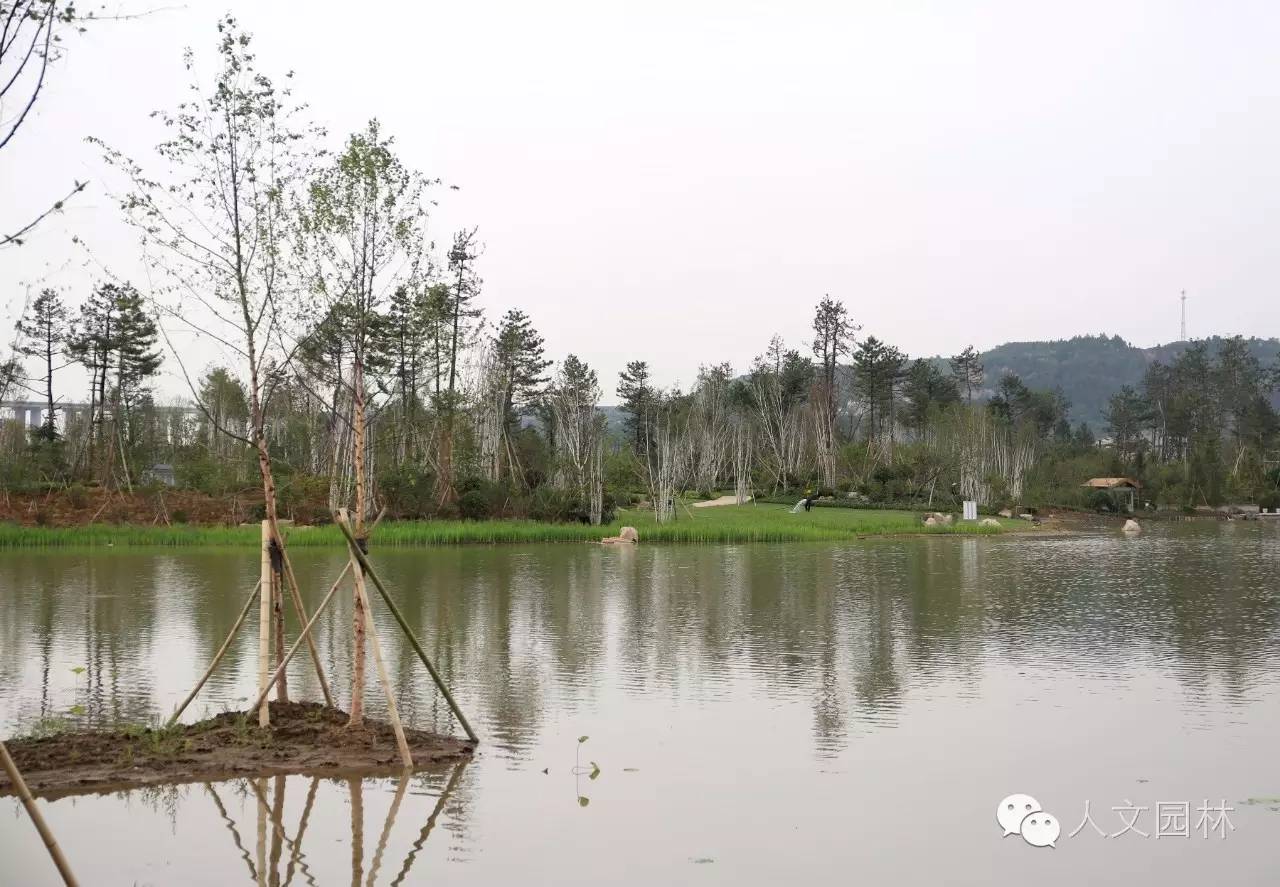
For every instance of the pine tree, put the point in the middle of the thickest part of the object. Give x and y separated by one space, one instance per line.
458 317
115 339
637 395
967 369
518 354
91 344
137 358
42 334
927 390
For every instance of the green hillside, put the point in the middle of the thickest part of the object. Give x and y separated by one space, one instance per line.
1089 369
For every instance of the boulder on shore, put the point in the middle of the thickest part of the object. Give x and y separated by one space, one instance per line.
989 522
627 534
1131 526
931 521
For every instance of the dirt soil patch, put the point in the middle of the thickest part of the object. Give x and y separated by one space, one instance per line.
79 506
304 737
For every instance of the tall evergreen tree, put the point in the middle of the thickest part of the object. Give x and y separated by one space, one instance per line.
967 369
518 354
637 393
1126 415
42 335
927 391
833 336
137 358
459 316
877 373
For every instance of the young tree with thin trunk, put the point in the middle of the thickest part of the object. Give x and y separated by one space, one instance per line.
90 344
457 329
573 397
361 240
42 335
215 227
777 389
710 430
833 337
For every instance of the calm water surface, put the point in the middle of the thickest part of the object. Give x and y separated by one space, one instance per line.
760 714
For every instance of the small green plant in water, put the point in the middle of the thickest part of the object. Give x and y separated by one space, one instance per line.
592 772
47 727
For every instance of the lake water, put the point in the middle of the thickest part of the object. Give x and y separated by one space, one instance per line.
809 714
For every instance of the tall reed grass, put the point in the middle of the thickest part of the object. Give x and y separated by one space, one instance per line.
724 524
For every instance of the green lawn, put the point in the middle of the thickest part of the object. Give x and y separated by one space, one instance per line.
720 524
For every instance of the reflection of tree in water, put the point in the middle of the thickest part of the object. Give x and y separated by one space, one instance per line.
476 612
91 612
268 837
1219 609
847 630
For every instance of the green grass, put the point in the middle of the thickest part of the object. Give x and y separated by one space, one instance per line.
721 524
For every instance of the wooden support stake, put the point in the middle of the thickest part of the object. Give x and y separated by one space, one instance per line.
263 692
231 827
264 625
404 626
20 786
445 794
401 785
306 630
393 711
277 616
295 852
260 788
217 657
301 610
356 788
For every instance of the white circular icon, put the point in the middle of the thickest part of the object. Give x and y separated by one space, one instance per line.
1041 829
1013 810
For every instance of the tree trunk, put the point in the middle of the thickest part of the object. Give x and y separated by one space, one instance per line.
358 614
48 363
277 614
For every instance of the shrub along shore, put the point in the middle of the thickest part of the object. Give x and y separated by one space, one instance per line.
721 524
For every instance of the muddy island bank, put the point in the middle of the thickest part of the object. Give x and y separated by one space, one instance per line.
304 737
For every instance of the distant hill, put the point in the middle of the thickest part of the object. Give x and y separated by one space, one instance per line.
1089 369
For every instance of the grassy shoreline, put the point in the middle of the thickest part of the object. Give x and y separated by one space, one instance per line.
724 524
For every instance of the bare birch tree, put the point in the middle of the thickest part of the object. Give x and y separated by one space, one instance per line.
710 429
574 395
777 385
361 238
215 230
664 452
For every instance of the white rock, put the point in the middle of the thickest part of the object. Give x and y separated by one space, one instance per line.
1132 526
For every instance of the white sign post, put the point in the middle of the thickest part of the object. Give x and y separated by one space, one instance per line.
970 509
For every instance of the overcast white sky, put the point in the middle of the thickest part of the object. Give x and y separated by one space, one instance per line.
678 181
